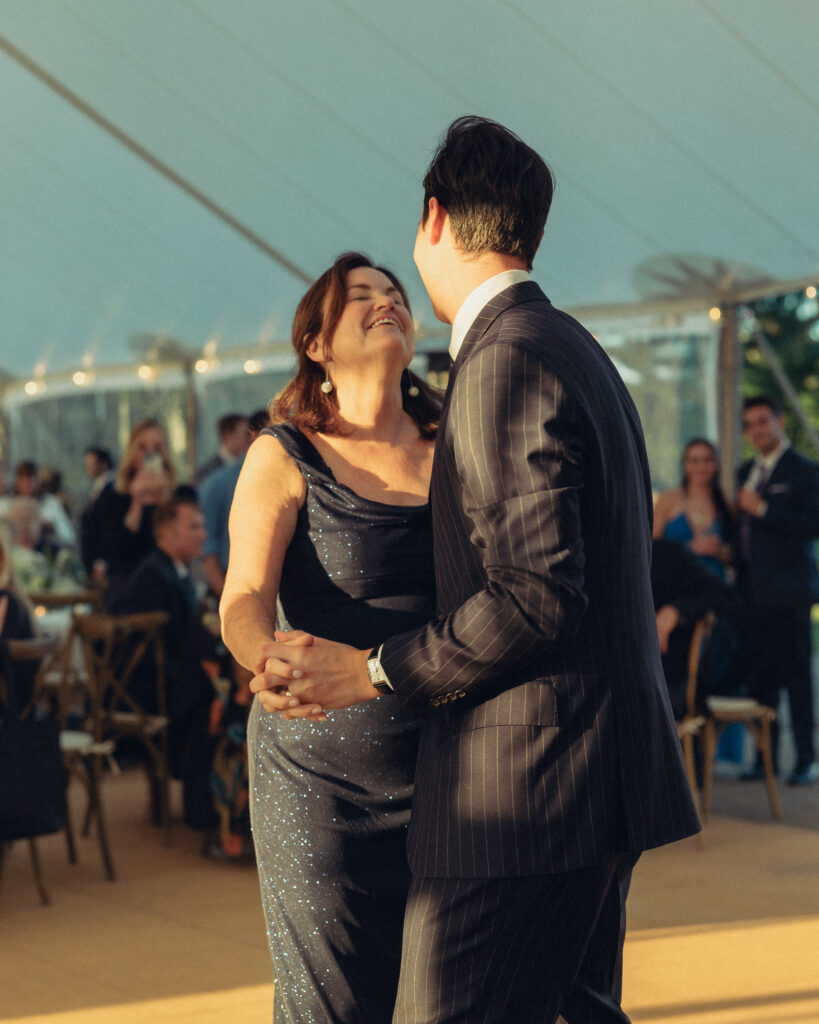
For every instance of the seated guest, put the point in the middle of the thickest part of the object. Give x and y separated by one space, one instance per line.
16 617
234 438
161 582
56 526
684 591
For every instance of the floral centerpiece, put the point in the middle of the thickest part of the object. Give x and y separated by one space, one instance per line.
55 571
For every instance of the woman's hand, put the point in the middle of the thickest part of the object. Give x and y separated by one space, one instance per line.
707 544
150 487
273 676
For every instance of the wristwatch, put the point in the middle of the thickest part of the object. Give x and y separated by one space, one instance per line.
375 670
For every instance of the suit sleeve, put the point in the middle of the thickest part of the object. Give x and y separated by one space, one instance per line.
518 442
796 514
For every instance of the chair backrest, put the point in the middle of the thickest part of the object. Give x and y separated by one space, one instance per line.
32 652
114 648
697 652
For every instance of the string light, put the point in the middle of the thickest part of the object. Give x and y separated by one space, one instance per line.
810 292
715 313
252 366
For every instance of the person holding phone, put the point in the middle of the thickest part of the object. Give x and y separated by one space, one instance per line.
145 479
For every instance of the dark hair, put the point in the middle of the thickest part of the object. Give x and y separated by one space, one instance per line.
724 514
496 189
101 455
26 468
762 400
302 401
229 422
257 421
167 513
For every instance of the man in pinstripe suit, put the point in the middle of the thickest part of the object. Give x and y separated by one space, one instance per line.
549 759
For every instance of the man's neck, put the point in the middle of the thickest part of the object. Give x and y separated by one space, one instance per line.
467 274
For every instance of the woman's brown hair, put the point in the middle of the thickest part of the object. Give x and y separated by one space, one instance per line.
302 402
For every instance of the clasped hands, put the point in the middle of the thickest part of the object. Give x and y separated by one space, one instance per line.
303 676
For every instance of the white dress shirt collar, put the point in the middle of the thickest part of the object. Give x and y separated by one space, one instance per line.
476 300
769 461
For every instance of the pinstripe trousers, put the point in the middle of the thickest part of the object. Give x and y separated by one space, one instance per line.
523 949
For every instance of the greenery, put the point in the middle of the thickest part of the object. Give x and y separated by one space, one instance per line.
791 326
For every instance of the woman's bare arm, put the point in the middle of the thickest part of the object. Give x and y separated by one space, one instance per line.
268 495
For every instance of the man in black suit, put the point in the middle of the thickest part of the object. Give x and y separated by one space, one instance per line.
779 518
161 582
548 756
100 468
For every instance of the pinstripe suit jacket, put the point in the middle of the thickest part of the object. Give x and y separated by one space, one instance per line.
547 740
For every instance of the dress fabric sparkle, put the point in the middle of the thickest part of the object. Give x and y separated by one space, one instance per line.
330 801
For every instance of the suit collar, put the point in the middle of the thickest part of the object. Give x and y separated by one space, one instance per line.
514 295
477 299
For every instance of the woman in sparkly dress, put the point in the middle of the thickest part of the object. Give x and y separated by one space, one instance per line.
330 518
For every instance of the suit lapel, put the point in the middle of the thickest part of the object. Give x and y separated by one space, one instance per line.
514 295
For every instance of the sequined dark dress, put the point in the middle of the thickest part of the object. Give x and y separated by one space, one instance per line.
330 801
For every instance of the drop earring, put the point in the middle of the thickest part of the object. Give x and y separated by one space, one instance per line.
326 384
412 389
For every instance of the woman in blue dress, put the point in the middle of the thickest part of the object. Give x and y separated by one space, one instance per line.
696 514
330 520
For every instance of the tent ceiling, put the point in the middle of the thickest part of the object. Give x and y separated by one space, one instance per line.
684 128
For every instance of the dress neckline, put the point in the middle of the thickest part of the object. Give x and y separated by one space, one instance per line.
322 466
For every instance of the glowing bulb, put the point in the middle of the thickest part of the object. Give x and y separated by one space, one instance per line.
79 378
201 366
145 372
810 292
715 313
252 366
31 387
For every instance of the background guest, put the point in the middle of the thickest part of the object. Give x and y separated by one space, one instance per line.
145 479
161 582
100 468
55 524
696 513
684 591
779 518
234 438
216 496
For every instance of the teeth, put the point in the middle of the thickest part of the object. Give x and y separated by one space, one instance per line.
384 320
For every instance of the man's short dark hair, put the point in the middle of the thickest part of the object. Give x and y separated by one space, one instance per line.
754 401
258 420
167 513
496 189
26 468
229 422
101 455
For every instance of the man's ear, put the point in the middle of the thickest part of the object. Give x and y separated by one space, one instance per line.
437 219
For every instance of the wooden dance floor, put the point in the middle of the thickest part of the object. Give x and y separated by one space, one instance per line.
723 934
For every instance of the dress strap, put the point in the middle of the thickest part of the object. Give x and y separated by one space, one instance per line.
298 447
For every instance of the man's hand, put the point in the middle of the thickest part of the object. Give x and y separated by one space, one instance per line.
750 501
302 676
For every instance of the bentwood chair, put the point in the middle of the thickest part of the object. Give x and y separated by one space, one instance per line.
115 648
696 722
757 719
